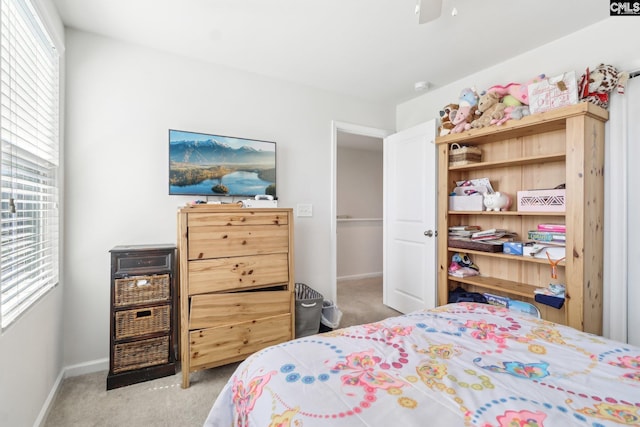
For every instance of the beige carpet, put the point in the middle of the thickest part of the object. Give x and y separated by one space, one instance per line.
84 401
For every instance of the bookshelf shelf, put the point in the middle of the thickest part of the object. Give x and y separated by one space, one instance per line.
506 213
496 284
500 255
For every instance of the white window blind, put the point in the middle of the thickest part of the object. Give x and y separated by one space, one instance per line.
29 129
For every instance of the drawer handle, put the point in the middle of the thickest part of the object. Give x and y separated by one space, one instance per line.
308 305
142 282
144 313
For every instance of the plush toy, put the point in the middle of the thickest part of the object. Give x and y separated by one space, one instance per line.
464 115
519 91
515 113
596 85
462 118
489 108
519 112
462 266
511 101
469 96
445 119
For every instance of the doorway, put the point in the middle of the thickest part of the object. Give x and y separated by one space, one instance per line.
356 204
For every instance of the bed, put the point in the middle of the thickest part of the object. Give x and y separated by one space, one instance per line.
456 365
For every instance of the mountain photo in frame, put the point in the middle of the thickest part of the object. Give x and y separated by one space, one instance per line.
215 165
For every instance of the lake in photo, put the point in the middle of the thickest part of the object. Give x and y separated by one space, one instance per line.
239 183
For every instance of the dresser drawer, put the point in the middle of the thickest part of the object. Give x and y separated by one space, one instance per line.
222 309
142 289
227 241
143 321
237 273
140 354
225 344
238 218
128 264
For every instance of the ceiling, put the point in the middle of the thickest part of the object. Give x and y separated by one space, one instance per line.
371 49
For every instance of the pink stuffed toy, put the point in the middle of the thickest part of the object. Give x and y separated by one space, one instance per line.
467 106
517 90
462 117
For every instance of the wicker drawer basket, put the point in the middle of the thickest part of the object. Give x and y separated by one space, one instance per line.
140 354
459 156
141 289
134 323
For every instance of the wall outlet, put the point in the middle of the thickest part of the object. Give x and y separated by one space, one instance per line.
304 210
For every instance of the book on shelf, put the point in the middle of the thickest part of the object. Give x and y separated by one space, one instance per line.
493 241
463 230
488 232
557 228
493 234
547 236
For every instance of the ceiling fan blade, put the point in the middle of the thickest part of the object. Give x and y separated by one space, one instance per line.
428 10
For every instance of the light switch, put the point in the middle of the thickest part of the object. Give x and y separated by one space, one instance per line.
304 210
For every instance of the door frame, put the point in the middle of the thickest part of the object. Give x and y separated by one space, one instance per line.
337 126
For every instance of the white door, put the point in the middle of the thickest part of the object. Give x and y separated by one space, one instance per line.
410 176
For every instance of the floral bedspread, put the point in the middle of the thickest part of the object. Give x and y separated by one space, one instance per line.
456 365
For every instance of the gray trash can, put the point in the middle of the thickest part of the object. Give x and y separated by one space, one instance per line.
308 310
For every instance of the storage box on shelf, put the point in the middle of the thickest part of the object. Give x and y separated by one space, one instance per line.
143 315
236 283
564 145
551 200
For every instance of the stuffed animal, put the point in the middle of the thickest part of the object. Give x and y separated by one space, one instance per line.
519 112
462 118
462 266
596 85
515 113
519 91
464 115
489 108
445 119
469 95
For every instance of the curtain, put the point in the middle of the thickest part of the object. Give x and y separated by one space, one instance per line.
621 248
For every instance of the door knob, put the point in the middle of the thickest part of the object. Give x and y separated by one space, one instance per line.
428 233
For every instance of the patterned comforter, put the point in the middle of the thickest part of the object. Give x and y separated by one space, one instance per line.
456 365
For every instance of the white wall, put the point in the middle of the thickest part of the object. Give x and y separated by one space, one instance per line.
611 41
31 348
121 100
359 196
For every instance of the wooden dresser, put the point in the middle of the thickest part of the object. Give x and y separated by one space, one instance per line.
143 315
236 283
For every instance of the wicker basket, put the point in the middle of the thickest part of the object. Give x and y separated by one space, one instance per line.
141 289
459 156
134 323
140 354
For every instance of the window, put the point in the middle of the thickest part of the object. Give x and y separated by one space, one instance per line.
29 129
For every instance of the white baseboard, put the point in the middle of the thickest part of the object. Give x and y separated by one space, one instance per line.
86 368
46 407
359 276
69 371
